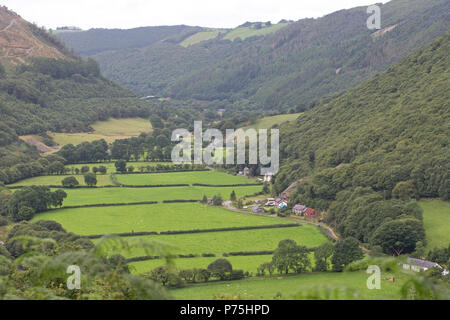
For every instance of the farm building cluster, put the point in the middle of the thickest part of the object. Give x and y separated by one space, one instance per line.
281 203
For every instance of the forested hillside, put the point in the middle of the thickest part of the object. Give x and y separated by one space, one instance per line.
96 41
365 154
291 67
43 87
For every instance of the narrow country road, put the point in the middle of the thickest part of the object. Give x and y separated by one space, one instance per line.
331 232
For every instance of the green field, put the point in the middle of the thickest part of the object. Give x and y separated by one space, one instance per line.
247 32
201 36
78 197
102 180
155 217
246 263
233 241
110 130
288 286
203 177
269 122
436 219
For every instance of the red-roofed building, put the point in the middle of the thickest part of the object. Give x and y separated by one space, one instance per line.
310 213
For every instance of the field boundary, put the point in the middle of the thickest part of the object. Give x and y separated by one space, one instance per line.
193 231
209 255
226 185
109 186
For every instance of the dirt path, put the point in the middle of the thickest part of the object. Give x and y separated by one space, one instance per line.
13 22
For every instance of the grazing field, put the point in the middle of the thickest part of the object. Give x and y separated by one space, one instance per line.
110 130
102 180
436 219
247 32
78 197
246 263
288 286
233 241
269 122
201 36
203 177
155 217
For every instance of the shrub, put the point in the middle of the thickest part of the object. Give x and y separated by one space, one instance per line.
220 268
50 225
70 182
405 190
90 179
25 213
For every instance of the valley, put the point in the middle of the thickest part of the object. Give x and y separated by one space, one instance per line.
359 128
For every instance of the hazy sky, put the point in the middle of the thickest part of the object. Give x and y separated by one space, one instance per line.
137 13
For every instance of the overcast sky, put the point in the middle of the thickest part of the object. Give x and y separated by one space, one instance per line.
138 13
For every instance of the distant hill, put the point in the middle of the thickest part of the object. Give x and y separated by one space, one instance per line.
95 41
387 139
45 87
276 67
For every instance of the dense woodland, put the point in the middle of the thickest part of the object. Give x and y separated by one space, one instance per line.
100 40
366 154
60 96
291 68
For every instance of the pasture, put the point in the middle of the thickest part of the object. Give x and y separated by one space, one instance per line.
110 130
247 32
436 219
78 197
201 36
269 122
246 263
285 287
233 241
155 217
203 177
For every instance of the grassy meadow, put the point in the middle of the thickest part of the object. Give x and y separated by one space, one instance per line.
436 219
155 217
201 36
110 130
246 263
247 32
233 241
78 197
203 177
269 122
286 287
